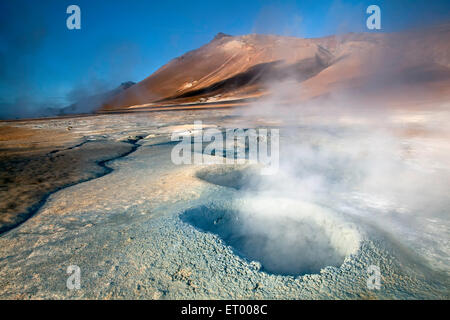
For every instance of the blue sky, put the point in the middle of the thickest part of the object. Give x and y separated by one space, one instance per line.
42 61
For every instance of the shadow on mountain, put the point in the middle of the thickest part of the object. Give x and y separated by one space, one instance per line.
265 73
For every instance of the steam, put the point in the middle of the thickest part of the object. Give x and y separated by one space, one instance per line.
388 167
297 237
26 30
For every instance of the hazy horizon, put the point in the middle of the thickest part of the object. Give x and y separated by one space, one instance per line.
43 64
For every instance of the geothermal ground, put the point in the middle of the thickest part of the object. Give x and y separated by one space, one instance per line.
102 193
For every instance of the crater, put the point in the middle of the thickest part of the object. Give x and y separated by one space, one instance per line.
232 176
286 237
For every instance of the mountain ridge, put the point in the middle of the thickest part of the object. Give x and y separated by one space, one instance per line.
241 67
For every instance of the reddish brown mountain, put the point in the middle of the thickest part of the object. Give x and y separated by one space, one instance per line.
230 69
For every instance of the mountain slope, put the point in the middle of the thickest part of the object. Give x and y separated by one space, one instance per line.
234 68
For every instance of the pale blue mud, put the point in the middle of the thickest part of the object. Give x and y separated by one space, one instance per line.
154 230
